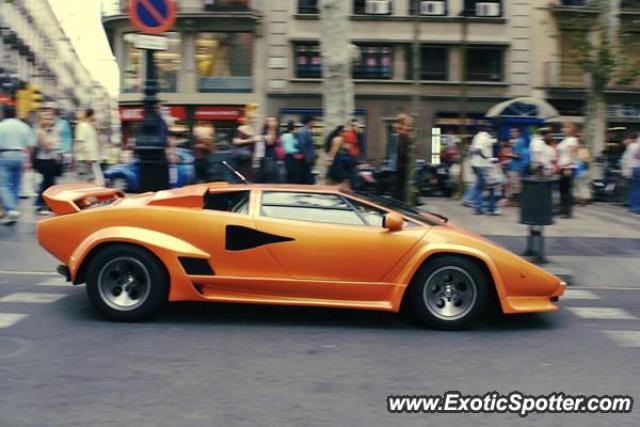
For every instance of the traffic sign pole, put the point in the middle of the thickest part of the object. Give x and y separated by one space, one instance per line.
152 17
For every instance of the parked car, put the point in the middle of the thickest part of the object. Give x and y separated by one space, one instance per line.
126 177
282 245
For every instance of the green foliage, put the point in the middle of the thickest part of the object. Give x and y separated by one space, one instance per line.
605 60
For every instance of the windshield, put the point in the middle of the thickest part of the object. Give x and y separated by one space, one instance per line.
420 215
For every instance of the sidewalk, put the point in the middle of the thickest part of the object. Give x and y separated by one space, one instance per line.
600 245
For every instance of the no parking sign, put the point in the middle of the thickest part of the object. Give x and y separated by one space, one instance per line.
152 16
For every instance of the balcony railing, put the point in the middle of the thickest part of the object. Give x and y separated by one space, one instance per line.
570 75
120 7
565 74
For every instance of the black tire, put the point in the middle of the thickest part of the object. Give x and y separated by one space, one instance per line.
128 267
441 280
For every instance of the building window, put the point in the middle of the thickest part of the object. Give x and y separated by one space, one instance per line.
429 8
308 7
485 64
224 62
167 62
308 61
372 7
228 5
484 8
434 63
374 62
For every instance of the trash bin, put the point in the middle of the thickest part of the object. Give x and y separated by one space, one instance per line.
536 211
536 201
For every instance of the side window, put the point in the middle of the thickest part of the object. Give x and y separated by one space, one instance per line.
312 207
373 216
234 201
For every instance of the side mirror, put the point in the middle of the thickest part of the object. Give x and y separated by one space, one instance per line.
393 221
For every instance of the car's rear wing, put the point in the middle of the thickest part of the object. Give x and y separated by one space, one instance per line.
71 198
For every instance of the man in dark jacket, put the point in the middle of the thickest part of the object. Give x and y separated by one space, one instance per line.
305 138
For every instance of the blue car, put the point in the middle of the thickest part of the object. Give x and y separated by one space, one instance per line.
127 177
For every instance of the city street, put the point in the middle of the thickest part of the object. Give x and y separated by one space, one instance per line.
223 365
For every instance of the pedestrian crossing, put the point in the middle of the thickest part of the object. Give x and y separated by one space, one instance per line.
572 301
592 306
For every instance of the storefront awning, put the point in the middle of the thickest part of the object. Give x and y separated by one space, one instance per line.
523 108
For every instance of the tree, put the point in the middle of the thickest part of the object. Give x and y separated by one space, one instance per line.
597 50
337 59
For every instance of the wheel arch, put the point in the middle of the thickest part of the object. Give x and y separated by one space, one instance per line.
167 249
497 290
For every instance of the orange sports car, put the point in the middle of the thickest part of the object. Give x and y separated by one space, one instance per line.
281 244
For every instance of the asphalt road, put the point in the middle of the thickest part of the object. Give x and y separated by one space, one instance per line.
236 365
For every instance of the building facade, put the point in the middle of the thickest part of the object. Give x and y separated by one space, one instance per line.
499 55
35 51
209 73
564 82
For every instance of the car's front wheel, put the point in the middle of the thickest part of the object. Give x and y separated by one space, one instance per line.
126 283
449 292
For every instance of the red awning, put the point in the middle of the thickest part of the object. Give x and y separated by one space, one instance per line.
207 112
136 114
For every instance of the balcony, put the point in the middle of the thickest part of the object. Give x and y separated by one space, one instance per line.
570 76
118 8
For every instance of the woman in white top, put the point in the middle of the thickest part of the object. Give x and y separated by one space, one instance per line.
567 155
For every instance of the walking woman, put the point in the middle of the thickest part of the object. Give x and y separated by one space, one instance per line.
245 146
294 158
48 156
267 169
340 161
567 155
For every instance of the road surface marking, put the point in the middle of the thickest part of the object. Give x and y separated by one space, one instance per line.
32 298
609 313
10 319
625 338
578 294
28 273
55 282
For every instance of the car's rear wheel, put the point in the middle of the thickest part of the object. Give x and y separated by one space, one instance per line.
449 292
126 283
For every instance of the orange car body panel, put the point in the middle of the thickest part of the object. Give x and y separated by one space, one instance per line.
329 265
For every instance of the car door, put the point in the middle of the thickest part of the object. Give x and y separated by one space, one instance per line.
329 239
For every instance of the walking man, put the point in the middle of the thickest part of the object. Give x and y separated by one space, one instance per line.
87 149
15 138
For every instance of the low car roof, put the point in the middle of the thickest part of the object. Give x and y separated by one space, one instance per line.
224 186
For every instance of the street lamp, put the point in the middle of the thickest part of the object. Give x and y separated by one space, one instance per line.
463 96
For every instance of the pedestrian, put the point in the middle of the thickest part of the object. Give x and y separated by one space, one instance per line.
268 167
626 169
66 137
542 153
633 158
204 145
307 145
340 159
402 140
244 143
482 162
48 156
567 155
15 139
87 149
294 158
516 165
582 187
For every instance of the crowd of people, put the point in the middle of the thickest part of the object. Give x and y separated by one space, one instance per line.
48 148
499 167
